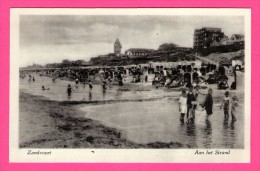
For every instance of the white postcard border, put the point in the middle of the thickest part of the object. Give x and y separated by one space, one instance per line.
17 155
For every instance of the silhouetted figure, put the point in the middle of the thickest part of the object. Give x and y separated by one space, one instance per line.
208 104
43 88
104 86
90 85
69 90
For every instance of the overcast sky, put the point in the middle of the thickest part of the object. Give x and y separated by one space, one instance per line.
48 39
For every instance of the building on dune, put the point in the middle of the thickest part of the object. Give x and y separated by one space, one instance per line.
203 37
210 40
137 52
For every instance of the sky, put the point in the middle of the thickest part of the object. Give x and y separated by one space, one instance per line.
52 38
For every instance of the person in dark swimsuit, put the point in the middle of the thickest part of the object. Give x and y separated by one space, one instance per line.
69 90
90 85
209 103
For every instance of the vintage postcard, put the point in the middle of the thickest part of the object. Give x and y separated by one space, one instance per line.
136 85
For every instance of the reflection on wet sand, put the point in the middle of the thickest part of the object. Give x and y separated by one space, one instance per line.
90 96
207 134
229 133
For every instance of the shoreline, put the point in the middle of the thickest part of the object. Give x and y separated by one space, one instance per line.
65 127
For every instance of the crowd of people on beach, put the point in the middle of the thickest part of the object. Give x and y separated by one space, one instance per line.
166 77
188 103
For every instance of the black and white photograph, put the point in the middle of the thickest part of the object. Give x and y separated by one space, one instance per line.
132 79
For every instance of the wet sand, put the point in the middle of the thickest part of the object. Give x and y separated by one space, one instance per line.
50 124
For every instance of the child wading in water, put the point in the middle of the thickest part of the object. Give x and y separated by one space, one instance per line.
69 90
190 98
225 105
209 103
183 105
43 88
234 105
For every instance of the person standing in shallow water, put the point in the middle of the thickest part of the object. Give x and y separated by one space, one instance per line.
190 98
234 106
225 105
183 105
208 104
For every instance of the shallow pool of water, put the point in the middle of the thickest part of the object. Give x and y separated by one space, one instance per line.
145 122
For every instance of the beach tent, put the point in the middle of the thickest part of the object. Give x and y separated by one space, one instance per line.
213 67
179 67
150 71
187 77
188 68
195 75
226 70
174 72
221 70
223 77
161 67
203 71
207 68
184 68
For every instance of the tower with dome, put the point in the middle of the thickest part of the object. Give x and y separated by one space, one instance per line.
117 47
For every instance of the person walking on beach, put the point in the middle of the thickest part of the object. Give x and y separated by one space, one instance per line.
90 85
209 103
109 80
77 82
69 90
33 79
104 86
234 105
146 78
225 105
183 105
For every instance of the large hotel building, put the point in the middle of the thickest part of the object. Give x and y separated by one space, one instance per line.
204 37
